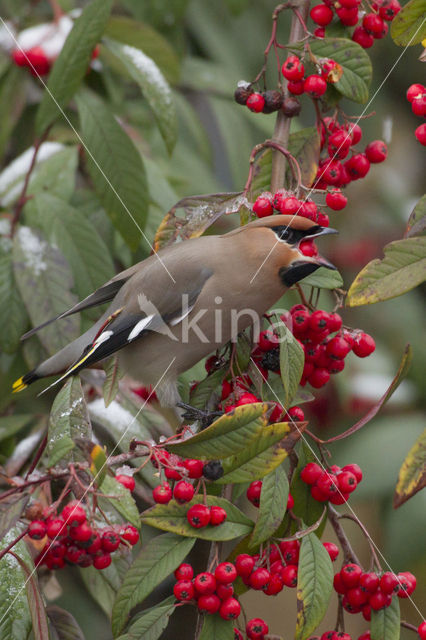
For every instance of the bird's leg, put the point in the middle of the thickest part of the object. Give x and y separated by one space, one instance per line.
192 414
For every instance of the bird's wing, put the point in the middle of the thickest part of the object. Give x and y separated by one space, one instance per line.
131 322
104 294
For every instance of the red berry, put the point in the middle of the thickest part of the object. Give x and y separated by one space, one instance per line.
308 248
319 32
350 574
225 572
184 572
358 166
355 469
263 207
205 583
208 603
296 87
126 481
267 341
73 553
339 144
421 630
389 9
255 102
296 414
415 90
110 540
332 550
388 582
247 398
376 151
366 614
81 533
347 482
37 61
172 474
183 491
357 597
355 132
277 413
331 172
73 513
337 348
244 564
275 584
102 561
318 495
256 629
373 24
289 576
57 549
311 473
406 584
55 527
95 544
364 345
290 550
329 635
336 200
339 498
230 609
349 17
259 579
335 366
327 484
315 86
198 516
322 15
338 584
379 600
254 491
183 590
238 635
420 134
217 516
362 37
290 502
293 69
224 591
162 494
130 534
59 563
319 378
369 581
290 206
37 530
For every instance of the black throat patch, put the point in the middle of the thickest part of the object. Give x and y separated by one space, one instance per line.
296 271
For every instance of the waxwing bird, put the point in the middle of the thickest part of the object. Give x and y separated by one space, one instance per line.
176 307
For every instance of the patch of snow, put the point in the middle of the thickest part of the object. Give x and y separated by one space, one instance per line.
114 413
34 250
7 36
149 69
49 36
387 129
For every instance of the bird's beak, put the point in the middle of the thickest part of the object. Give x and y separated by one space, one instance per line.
320 231
322 262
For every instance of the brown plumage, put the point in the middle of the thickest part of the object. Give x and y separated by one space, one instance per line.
227 281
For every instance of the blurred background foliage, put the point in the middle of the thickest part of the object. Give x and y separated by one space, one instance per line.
204 48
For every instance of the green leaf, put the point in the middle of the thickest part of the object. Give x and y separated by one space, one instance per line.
304 145
292 360
143 36
113 376
13 318
263 454
356 64
13 89
99 588
56 174
15 617
412 475
227 435
73 62
122 500
416 224
204 390
385 624
35 600
157 559
402 269
10 512
115 167
324 278
314 586
9 425
273 505
172 517
68 421
305 507
152 622
78 240
409 27
155 89
214 627
64 624
44 281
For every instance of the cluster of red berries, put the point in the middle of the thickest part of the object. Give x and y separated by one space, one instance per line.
368 26
35 59
258 102
212 593
363 592
416 95
283 201
335 485
69 539
315 84
324 354
337 141
340 635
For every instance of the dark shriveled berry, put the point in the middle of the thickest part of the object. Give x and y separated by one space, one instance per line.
241 95
271 360
213 470
291 107
273 101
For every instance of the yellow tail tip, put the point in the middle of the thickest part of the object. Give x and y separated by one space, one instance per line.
19 385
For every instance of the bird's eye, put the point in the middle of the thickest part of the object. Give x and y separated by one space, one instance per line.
284 233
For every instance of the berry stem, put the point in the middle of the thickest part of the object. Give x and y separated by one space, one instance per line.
282 124
407 625
348 552
354 518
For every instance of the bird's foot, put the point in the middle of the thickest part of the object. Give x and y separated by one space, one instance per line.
192 414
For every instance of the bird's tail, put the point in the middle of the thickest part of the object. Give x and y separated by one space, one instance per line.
24 381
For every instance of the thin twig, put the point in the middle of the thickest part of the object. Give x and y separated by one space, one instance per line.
348 552
354 518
